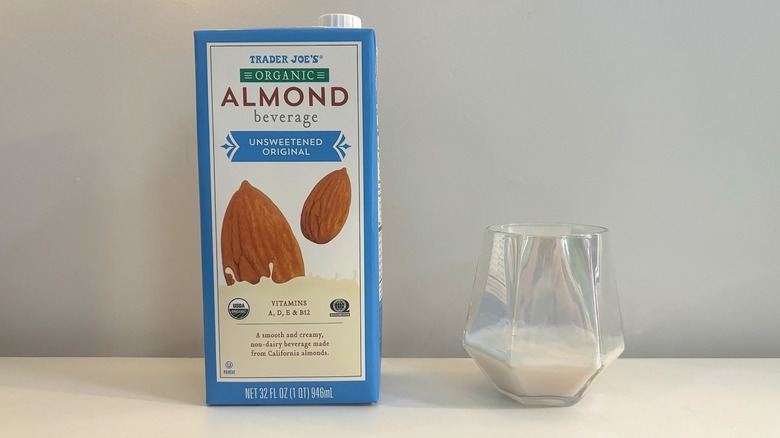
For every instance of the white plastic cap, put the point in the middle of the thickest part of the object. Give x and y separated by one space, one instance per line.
340 20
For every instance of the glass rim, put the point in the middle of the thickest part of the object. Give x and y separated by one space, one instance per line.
547 229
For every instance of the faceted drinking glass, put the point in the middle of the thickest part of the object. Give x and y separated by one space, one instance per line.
544 319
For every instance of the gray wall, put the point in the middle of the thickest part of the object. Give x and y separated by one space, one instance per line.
660 120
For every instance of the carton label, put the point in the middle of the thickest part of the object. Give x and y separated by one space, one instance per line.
287 210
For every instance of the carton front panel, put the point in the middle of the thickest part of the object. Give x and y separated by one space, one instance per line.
285 125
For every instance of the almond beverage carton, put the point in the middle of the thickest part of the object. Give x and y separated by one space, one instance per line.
290 213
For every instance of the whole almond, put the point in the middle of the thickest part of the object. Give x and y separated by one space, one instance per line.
257 239
327 207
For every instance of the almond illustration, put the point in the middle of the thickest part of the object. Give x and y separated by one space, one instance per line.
257 239
327 207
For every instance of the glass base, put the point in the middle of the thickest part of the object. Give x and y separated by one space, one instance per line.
546 400
543 401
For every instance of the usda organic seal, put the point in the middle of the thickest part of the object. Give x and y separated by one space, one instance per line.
238 308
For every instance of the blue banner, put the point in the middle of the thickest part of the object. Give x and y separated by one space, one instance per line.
253 146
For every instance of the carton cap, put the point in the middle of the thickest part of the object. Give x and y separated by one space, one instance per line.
340 20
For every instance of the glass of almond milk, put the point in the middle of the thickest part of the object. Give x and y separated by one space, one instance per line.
544 319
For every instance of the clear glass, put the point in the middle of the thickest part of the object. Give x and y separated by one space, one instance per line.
544 319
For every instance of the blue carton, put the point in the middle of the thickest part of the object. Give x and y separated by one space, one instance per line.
290 215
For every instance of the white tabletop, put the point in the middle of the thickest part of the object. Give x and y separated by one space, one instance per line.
107 397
